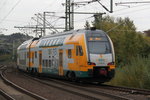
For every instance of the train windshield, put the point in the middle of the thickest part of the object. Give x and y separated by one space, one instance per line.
99 45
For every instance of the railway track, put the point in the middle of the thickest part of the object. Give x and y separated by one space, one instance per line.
79 90
96 89
89 91
126 89
5 95
10 87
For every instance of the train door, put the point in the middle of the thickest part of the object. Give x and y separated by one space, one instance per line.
40 61
60 69
79 55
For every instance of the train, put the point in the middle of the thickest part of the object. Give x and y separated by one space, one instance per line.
83 54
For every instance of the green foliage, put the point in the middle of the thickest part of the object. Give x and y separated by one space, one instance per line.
136 74
9 43
147 33
6 57
87 25
127 42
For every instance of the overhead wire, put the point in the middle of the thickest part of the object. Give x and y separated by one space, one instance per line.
10 11
125 13
130 7
3 4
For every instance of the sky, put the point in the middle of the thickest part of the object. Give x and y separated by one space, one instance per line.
19 13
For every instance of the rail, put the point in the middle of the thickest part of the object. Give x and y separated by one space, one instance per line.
20 88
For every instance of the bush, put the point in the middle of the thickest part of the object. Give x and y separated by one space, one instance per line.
135 74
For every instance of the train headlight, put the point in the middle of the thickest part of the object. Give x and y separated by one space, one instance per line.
110 63
91 63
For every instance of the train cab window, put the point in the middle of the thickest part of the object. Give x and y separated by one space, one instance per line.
35 54
69 53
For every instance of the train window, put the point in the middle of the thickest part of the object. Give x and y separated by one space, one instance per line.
49 51
59 42
56 42
46 43
80 51
46 61
52 62
42 43
40 58
35 54
33 57
77 50
52 42
69 53
99 47
49 63
42 62
27 54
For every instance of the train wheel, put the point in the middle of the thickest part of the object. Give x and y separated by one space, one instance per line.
35 72
72 76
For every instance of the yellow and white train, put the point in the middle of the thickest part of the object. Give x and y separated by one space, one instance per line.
79 54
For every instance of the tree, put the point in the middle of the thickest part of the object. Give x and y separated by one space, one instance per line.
147 32
87 25
127 43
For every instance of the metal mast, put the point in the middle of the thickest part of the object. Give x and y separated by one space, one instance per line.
69 18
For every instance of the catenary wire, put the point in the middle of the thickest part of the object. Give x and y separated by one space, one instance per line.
10 11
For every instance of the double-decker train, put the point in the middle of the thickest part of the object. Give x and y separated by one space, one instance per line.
80 54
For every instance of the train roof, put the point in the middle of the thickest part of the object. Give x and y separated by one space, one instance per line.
74 32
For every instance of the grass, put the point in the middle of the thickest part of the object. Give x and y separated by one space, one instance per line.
136 74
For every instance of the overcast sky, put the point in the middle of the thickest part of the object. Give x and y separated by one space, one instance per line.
19 13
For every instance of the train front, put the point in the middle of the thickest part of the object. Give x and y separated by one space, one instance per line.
100 55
